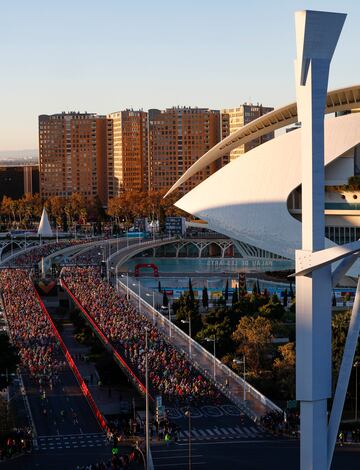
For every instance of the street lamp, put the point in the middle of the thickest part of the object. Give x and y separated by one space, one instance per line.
239 362
188 414
189 323
214 341
139 286
169 319
153 305
356 365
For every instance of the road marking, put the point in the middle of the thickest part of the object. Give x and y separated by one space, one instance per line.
232 431
248 432
216 431
209 431
186 464
224 431
178 456
212 443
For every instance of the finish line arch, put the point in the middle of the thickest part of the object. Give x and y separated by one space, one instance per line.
146 265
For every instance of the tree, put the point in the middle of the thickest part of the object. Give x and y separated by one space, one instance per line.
235 297
227 290
273 310
284 368
285 298
292 295
205 297
253 338
191 292
165 301
184 308
340 324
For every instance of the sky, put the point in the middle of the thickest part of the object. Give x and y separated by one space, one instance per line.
108 55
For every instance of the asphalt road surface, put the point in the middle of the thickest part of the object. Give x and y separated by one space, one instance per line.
244 455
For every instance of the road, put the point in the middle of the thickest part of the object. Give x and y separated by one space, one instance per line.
244 455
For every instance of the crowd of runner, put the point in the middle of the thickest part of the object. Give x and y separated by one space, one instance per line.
34 255
170 373
30 330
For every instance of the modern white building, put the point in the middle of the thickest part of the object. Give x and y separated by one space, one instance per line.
256 199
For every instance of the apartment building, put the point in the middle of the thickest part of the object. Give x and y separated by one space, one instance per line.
239 117
129 151
178 137
75 152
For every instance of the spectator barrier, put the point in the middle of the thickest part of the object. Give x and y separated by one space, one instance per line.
118 358
84 388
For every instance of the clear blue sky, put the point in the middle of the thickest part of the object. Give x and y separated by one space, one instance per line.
103 56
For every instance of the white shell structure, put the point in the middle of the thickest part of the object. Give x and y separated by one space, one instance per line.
247 199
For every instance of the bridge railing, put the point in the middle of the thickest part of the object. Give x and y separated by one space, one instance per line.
230 384
127 251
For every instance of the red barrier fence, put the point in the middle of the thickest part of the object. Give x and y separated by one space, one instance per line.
106 342
84 388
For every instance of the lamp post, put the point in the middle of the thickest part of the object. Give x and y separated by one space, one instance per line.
169 308
139 286
188 414
239 362
356 365
153 305
214 341
189 323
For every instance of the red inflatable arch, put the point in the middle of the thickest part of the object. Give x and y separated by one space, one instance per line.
146 265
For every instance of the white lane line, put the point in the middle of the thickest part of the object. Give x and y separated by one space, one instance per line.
185 456
167 465
240 431
216 443
254 430
248 432
232 431
224 431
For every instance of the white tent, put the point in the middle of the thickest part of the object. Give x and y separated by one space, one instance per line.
44 227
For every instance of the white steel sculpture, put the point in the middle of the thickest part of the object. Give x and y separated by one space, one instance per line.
317 34
44 229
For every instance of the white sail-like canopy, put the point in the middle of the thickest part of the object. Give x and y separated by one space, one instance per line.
44 227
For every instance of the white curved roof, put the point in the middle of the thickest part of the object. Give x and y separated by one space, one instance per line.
338 100
247 199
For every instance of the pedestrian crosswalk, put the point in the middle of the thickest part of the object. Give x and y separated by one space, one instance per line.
221 433
71 441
